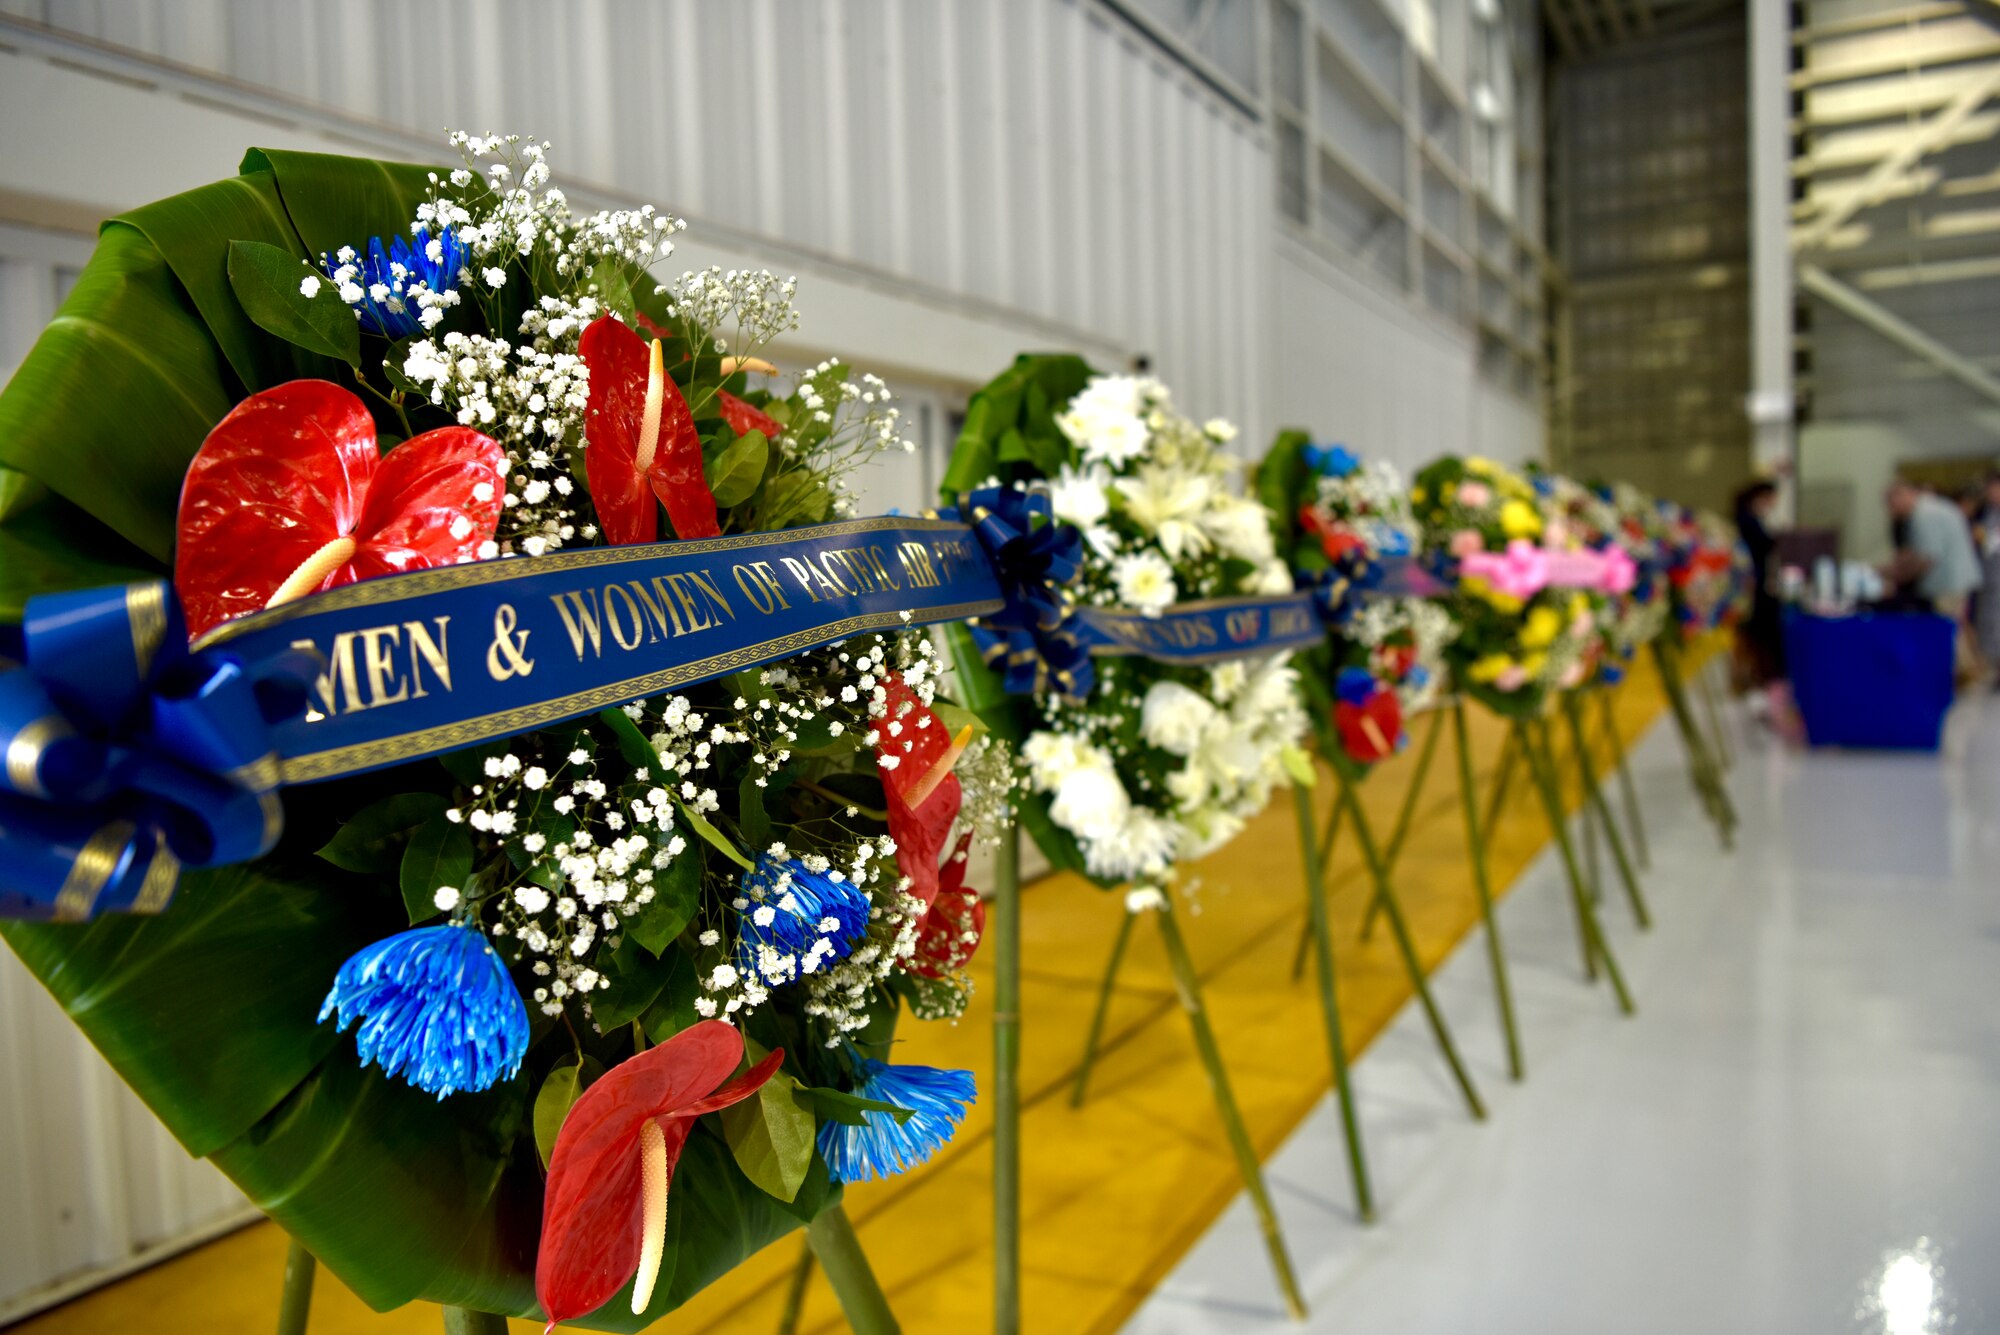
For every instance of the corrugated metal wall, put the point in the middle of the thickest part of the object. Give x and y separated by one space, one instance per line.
1039 155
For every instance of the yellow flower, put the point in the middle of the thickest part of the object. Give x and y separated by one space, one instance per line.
1489 668
1479 463
1418 495
1544 624
1446 491
1533 664
1479 588
1519 520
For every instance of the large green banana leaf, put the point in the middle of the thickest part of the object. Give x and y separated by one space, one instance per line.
209 1011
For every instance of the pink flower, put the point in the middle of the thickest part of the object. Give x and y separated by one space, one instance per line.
1511 679
1473 493
1466 541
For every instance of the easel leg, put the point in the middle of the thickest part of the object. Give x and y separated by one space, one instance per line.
1595 946
1105 987
1628 791
1476 844
1595 803
1322 937
1403 816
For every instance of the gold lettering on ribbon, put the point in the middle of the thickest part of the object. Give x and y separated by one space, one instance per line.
917 568
760 585
427 651
507 655
1243 624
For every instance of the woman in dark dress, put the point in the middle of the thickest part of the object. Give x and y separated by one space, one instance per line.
1761 634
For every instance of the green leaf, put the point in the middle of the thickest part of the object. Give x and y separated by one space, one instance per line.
614 288
633 747
439 854
771 1136
370 842
269 281
676 895
734 474
633 978
1298 764
751 817
48 545
957 718
837 1105
699 824
673 1009
557 1095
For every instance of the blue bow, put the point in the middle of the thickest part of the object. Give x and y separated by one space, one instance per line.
1029 641
1339 590
1355 686
127 757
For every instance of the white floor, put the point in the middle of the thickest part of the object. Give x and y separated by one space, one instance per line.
1799 1132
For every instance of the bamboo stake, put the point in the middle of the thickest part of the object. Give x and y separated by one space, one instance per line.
1594 799
1406 947
1104 990
1496 957
1188 983
1701 766
795 1292
1542 767
1628 791
1328 839
1711 695
1402 827
839 1253
1579 883
1322 935
295 1305
1005 914
1510 756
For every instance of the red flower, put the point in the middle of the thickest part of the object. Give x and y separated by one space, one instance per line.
642 441
604 1214
289 496
950 932
915 753
1370 730
1396 660
743 418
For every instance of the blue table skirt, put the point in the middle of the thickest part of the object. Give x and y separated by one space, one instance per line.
1871 680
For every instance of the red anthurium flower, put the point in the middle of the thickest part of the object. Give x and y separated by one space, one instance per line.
951 930
1396 660
1370 730
604 1214
915 752
289 496
743 418
641 441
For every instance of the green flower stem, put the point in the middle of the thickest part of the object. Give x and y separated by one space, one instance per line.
1105 987
295 1306
1188 983
1005 925
839 1252
1594 795
1542 766
1400 929
795 1292
465 1321
1628 791
1475 842
1394 849
1329 1002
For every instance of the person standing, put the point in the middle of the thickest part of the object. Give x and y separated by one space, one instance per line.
1761 634
1935 566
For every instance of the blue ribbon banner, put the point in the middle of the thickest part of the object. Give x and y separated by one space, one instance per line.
129 754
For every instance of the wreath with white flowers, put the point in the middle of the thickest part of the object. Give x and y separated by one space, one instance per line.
1158 763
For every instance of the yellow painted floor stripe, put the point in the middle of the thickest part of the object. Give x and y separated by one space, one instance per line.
1114 1193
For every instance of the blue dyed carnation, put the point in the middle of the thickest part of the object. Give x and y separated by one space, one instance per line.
1355 686
402 271
885 1147
1331 460
795 920
435 1008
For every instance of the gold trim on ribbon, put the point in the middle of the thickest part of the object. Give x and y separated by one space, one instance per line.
418 583
454 736
162 873
273 808
24 753
260 775
146 610
92 870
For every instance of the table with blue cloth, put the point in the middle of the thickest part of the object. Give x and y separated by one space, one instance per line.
1873 679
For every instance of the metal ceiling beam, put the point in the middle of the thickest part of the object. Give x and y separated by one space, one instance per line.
1882 179
1897 330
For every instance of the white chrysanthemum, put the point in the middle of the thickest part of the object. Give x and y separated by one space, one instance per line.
1052 756
1090 801
1174 717
1172 504
1145 582
1077 495
1106 420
